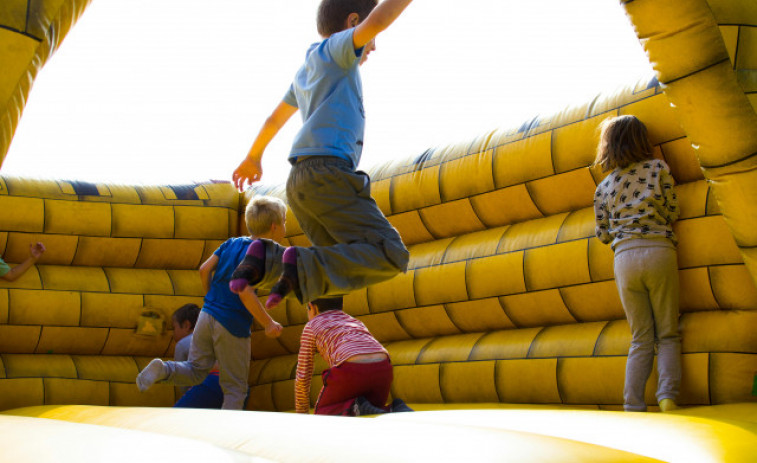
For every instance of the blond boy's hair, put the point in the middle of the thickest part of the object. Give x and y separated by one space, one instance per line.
623 141
262 212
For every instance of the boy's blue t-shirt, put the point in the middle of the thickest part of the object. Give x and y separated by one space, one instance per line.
329 94
220 302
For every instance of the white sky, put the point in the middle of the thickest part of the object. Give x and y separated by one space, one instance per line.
174 91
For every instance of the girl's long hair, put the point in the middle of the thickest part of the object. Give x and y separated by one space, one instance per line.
622 142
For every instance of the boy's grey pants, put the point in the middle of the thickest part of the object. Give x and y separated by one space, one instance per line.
647 280
211 342
353 244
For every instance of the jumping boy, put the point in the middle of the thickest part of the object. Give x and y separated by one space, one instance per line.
353 244
360 374
222 331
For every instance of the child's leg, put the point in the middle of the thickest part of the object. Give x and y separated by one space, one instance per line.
333 205
261 266
343 384
628 277
207 394
201 355
234 366
664 294
252 268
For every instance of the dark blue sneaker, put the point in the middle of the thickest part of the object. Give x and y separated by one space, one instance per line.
398 405
363 407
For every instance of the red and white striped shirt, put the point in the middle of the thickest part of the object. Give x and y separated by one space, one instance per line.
338 337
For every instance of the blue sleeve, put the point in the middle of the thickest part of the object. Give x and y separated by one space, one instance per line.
290 98
222 248
342 50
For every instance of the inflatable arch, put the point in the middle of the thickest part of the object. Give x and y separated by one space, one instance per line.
506 333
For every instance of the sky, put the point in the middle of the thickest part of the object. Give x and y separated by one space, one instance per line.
175 91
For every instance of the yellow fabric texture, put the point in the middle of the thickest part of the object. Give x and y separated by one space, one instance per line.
509 300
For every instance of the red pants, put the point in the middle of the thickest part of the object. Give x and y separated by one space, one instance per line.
350 380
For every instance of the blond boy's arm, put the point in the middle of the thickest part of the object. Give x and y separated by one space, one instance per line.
206 272
250 170
377 21
250 300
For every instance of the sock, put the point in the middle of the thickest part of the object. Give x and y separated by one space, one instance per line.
667 405
251 270
153 372
288 280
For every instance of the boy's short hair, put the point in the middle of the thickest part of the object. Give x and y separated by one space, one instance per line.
328 303
333 13
187 313
262 212
623 141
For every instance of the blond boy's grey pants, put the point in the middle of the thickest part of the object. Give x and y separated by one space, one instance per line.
211 342
647 280
353 244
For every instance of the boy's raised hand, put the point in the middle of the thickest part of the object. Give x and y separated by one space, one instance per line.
248 172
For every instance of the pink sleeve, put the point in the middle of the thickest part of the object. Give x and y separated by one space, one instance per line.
304 371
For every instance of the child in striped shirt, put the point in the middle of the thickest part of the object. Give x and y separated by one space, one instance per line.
359 376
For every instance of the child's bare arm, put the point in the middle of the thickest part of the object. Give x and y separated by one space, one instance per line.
380 18
251 170
206 272
35 252
250 300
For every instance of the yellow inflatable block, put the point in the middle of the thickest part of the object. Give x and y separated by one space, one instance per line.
528 381
34 307
480 315
427 321
101 252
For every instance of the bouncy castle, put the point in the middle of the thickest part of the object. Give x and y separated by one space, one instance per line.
507 334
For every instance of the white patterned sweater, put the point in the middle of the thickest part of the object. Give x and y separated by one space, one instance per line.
637 201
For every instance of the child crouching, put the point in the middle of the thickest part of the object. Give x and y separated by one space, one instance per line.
360 373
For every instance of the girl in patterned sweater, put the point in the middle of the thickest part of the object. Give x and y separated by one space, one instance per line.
635 207
360 374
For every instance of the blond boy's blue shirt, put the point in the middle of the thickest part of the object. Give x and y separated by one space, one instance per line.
328 91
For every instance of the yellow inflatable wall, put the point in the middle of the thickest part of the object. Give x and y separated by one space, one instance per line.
509 311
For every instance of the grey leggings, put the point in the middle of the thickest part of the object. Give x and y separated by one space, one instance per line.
647 280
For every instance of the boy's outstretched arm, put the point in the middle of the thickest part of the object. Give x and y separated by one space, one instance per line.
35 252
250 300
379 19
251 170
